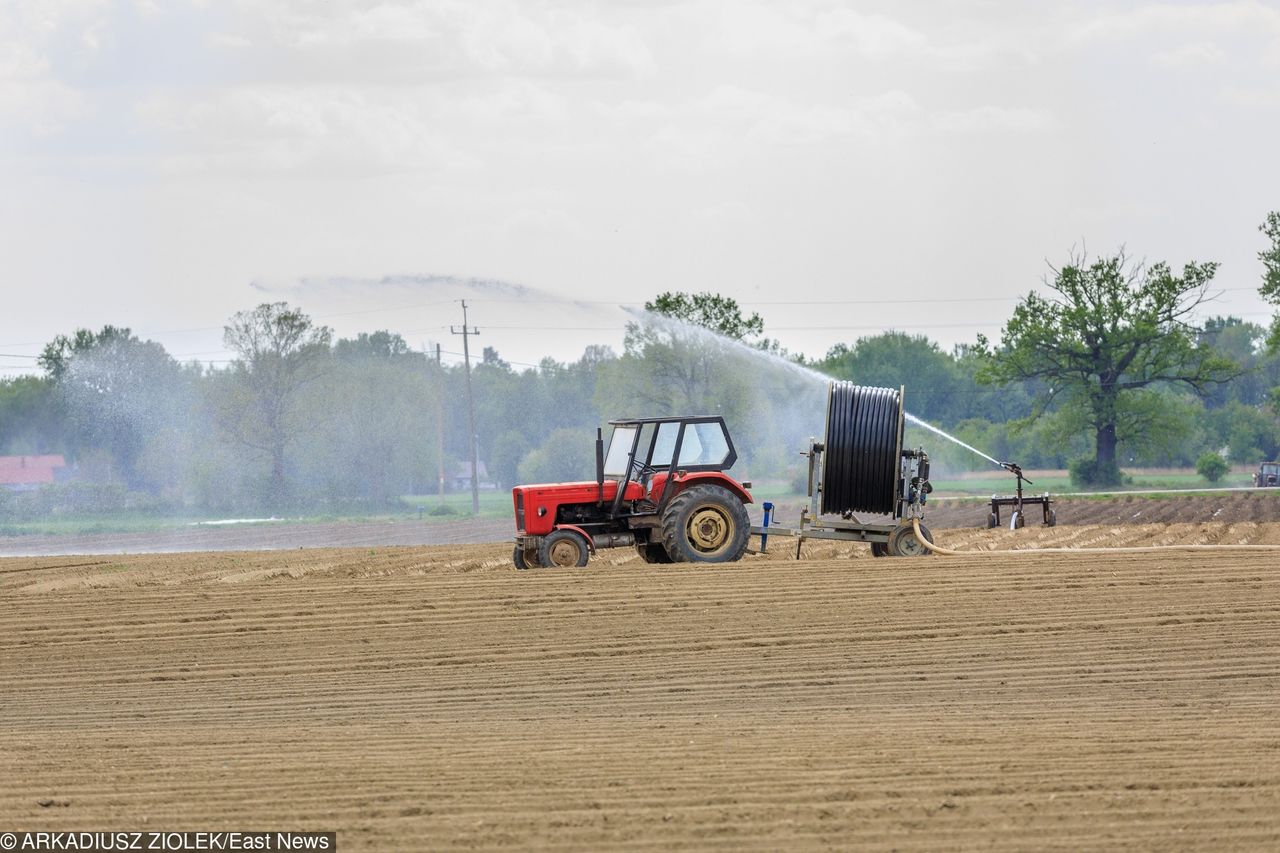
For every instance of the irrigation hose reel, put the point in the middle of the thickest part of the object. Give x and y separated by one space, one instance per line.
864 467
860 466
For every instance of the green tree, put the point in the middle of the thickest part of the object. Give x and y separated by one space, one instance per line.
1270 258
720 314
1109 329
380 344
1211 466
58 354
31 417
568 455
280 353
1241 342
934 387
125 402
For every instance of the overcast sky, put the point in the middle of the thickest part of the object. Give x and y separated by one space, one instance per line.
840 167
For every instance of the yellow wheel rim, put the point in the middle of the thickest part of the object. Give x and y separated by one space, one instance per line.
709 529
565 553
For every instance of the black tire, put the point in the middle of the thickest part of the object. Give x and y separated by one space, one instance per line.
879 549
1051 518
903 542
992 521
563 548
652 552
705 524
523 559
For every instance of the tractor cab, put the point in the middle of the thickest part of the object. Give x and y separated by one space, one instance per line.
1268 474
652 451
649 464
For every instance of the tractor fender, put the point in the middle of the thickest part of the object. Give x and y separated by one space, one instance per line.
703 478
578 530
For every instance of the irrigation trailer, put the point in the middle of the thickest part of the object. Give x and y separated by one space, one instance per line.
661 488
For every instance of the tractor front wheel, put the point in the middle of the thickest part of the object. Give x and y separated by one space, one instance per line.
563 548
705 524
523 559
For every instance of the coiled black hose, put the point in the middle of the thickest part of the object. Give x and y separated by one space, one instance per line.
864 437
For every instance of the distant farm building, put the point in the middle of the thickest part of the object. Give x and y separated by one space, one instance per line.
21 473
462 477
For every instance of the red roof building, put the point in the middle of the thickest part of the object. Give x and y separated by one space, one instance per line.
27 472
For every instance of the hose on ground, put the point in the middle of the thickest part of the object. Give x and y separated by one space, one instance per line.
938 549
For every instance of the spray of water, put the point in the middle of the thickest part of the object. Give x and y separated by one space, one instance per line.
774 360
918 422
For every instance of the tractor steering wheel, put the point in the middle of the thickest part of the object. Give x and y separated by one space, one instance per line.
640 469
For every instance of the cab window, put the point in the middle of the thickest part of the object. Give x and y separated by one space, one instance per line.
615 462
666 445
704 444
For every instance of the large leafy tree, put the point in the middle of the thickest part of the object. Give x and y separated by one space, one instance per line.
125 398
57 355
1107 332
280 352
1270 289
720 314
934 389
1270 258
31 417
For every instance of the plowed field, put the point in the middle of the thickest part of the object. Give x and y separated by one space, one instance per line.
432 697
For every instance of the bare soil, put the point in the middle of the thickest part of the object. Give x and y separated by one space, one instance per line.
1260 506
433 697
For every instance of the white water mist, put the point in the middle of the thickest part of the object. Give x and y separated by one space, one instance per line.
777 361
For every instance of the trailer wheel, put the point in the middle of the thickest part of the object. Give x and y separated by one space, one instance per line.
879 549
992 521
705 524
1051 518
903 542
523 559
653 552
563 548
1016 521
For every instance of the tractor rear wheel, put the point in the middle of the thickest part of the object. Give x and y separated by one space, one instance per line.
653 552
563 548
705 524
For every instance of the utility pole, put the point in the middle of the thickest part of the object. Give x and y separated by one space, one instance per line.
471 407
440 421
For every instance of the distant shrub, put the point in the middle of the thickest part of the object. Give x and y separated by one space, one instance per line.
1211 466
82 499
442 509
1089 473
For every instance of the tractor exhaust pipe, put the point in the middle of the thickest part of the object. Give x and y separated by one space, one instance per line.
599 466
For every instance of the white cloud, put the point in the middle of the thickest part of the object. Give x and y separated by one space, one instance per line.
295 130
992 119
1189 55
1197 18
427 39
874 36
31 98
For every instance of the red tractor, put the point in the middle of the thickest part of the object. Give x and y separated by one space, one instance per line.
660 488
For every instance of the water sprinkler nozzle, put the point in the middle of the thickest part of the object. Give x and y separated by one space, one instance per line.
1015 470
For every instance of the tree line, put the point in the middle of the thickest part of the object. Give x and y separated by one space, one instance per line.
1107 366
